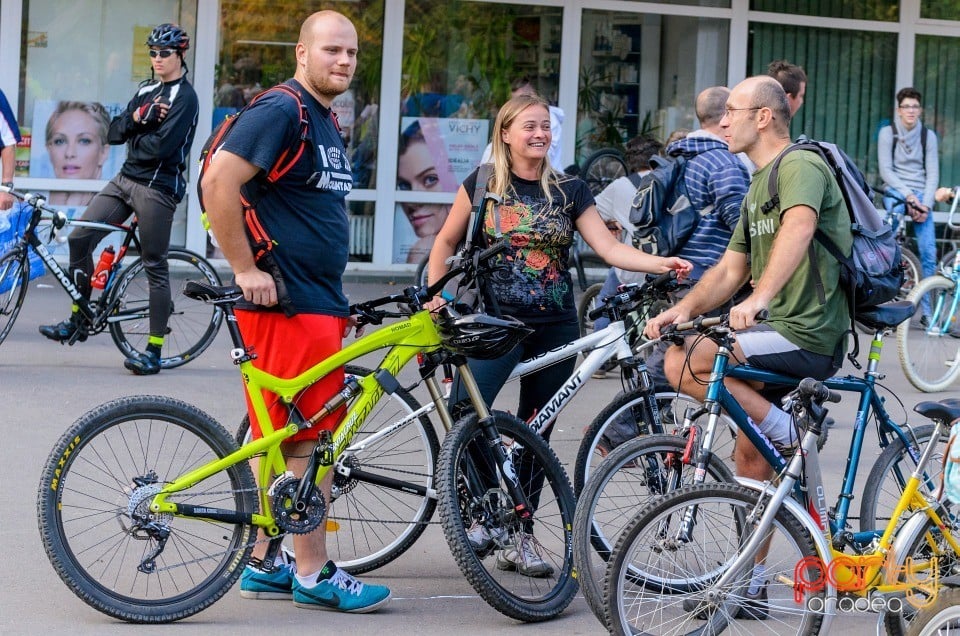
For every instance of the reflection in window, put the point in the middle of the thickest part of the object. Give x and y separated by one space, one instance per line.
848 113
884 10
940 10
941 98
640 75
258 38
460 62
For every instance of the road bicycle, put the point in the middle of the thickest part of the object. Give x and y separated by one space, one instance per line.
149 511
123 305
648 467
688 560
930 353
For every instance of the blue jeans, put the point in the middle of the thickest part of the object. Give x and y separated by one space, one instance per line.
925 234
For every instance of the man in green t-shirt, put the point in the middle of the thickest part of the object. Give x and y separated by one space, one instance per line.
804 333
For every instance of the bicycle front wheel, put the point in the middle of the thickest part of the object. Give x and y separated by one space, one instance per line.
14 275
912 273
622 420
96 525
660 581
192 325
940 618
521 567
603 168
633 474
930 357
382 497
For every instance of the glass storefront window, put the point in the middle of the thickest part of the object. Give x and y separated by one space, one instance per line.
257 41
941 98
940 9
883 10
459 62
640 75
70 92
836 108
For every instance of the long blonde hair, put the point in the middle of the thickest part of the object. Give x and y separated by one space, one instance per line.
502 158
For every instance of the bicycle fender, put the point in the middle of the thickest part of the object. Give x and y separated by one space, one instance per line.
820 542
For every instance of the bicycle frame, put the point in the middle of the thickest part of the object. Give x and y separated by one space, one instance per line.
405 339
719 398
859 573
85 306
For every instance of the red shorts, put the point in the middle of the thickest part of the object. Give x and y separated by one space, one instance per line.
286 347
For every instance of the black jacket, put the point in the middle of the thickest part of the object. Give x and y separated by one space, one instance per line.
157 153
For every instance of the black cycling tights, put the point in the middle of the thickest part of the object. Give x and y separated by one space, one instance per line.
114 204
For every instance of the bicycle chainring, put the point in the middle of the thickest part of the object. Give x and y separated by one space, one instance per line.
285 511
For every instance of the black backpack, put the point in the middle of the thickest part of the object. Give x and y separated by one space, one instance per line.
662 213
873 273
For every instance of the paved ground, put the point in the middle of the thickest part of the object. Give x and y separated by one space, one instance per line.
45 387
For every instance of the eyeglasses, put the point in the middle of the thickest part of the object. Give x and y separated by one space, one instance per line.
163 53
729 111
911 107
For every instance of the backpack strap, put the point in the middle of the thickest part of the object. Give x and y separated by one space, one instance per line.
923 142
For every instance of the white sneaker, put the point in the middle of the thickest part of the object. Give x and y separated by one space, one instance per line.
483 540
524 557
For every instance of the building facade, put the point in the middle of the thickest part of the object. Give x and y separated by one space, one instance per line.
433 72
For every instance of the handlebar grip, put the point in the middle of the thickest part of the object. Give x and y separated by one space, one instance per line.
817 391
663 279
762 315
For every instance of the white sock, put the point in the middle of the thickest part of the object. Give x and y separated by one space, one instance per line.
778 426
756 581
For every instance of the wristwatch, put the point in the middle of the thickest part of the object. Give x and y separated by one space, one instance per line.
7 184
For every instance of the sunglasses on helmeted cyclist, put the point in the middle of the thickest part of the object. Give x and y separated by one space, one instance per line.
163 53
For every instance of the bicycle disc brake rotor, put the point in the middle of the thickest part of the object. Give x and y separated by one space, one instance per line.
341 483
293 518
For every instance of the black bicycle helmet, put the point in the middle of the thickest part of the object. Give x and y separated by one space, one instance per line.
169 36
481 336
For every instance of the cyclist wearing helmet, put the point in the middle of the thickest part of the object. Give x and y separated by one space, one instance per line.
158 127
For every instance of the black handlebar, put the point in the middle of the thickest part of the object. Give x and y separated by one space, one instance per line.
634 292
816 391
38 202
368 313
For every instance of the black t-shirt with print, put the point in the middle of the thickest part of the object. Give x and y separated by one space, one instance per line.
304 212
535 285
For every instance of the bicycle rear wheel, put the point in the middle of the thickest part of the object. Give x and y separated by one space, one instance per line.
941 618
637 471
192 326
889 474
603 168
912 273
473 495
14 275
930 357
370 523
684 571
97 529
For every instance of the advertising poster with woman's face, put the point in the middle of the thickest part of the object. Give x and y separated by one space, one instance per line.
70 142
435 155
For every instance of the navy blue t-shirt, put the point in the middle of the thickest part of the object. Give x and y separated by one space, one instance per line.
304 212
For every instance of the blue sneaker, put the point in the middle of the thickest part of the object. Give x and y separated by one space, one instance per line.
341 592
274 585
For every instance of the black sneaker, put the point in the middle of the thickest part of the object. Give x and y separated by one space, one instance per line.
755 606
143 363
63 331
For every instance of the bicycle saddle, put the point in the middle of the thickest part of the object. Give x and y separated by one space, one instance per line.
205 292
945 410
887 314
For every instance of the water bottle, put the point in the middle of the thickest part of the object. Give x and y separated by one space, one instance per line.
102 272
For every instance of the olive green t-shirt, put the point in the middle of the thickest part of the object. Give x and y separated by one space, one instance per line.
796 313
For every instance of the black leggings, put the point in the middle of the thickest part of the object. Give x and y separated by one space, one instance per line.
535 390
114 204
